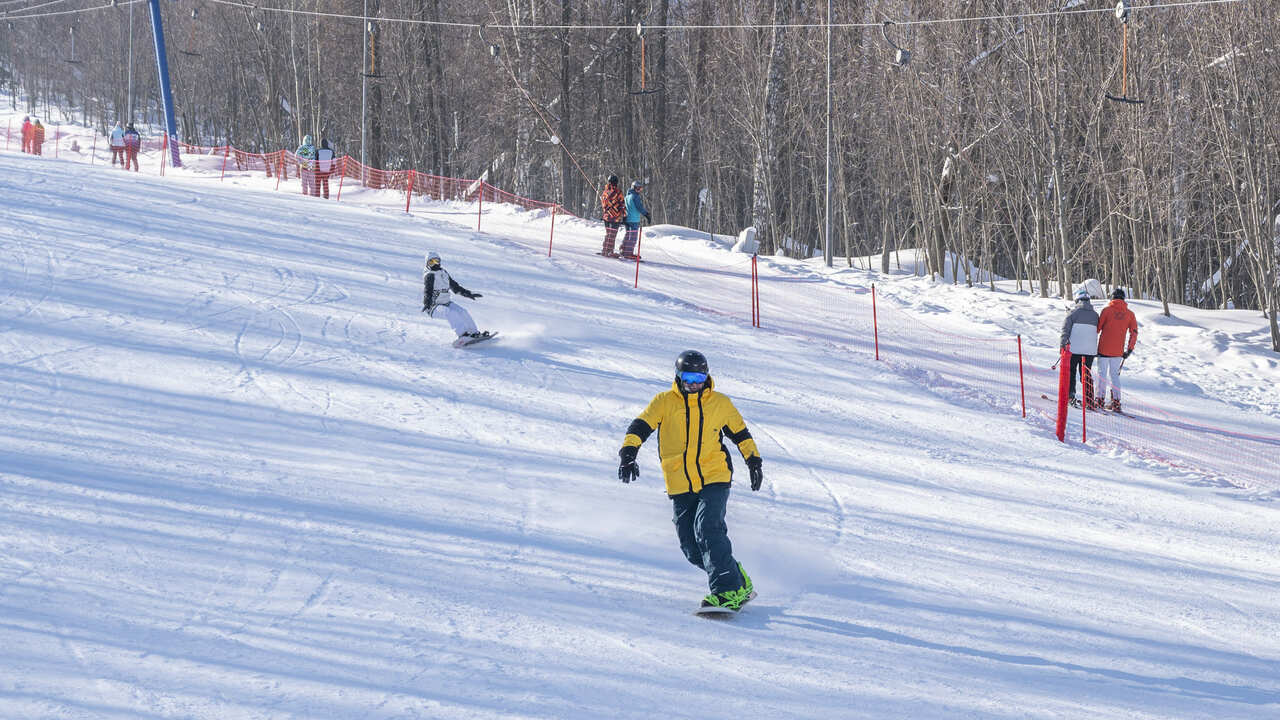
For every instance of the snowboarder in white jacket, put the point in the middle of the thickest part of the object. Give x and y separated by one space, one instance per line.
1080 334
438 288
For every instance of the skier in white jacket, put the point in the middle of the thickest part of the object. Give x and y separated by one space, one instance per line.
438 288
117 144
1080 333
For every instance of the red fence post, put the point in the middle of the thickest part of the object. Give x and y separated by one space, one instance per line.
408 192
1022 383
551 240
279 167
480 208
1064 381
875 320
224 163
164 150
342 176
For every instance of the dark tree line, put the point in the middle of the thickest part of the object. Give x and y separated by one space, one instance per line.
995 143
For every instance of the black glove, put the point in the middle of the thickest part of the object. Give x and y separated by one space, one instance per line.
757 473
648 219
475 296
425 307
1125 354
628 470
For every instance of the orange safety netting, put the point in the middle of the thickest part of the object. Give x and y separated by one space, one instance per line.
987 370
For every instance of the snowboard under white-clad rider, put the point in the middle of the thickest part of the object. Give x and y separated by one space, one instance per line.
1080 334
438 289
692 420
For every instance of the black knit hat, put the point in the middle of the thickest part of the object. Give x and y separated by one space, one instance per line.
1117 294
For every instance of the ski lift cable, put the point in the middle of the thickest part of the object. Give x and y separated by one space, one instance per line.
107 6
672 28
37 7
736 26
555 138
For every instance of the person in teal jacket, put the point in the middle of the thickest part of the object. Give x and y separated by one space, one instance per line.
635 211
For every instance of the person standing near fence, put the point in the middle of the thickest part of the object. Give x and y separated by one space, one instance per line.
37 138
1080 335
324 166
27 127
132 143
306 155
117 144
1115 322
615 214
636 211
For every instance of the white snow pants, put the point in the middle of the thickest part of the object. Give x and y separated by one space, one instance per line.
458 317
1109 376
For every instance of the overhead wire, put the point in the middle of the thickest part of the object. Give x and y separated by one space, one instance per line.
543 117
731 26
37 7
671 28
8 14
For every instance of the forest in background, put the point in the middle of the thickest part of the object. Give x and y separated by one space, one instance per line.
995 141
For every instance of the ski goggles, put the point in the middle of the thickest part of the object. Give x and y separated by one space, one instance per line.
693 378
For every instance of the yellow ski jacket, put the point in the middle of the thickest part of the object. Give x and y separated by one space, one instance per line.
691 429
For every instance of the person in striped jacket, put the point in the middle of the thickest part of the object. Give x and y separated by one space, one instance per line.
615 214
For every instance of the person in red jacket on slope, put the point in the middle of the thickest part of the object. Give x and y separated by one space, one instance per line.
1114 322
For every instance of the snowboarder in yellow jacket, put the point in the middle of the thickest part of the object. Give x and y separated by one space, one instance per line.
692 420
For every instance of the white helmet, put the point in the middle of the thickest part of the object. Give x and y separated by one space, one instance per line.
1082 293
433 259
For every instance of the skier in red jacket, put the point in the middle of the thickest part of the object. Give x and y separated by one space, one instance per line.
27 129
1114 322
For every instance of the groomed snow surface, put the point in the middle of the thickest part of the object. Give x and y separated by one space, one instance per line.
242 476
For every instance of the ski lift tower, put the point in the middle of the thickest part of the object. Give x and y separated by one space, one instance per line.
162 66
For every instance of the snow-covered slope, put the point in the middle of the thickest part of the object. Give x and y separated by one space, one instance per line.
241 476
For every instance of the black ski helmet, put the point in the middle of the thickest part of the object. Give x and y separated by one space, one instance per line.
1117 294
613 179
691 361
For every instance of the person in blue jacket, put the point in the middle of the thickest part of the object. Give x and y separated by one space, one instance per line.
635 211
